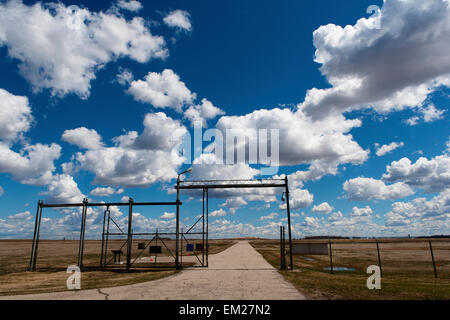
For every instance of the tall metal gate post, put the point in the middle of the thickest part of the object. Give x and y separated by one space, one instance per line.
203 229
177 236
432 259
107 238
379 258
34 246
289 222
207 230
103 238
82 232
130 232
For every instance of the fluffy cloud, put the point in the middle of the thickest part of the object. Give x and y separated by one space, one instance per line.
83 138
366 189
429 114
301 140
160 133
162 90
202 112
138 160
361 212
130 5
379 62
178 19
61 49
336 216
324 207
124 76
218 213
106 191
420 210
167 216
15 115
270 216
298 198
206 167
430 175
234 203
386 148
63 189
26 215
310 222
34 164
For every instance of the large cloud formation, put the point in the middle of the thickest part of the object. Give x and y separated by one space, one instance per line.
366 189
384 62
72 44
431 175
162 90
137 160
28 163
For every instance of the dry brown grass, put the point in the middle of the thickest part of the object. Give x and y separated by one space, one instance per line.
407 269
54 256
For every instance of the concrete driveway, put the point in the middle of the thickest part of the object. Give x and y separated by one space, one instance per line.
238 272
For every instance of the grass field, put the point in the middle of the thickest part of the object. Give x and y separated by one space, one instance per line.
407 269
54 256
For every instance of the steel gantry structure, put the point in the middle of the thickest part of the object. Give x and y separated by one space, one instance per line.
205 185
105 235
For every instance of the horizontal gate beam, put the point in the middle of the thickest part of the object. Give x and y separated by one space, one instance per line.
229 186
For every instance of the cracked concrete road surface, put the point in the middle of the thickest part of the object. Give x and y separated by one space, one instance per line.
238 272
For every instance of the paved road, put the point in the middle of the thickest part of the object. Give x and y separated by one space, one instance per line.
239 272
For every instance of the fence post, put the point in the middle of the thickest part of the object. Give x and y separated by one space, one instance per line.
379 258
103 238
130 232
331 258
37 225
82 232
432 258
281 248
181 255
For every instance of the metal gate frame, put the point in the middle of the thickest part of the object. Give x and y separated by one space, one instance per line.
231 184
85 204
205 185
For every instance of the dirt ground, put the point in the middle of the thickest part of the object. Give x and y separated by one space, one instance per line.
406 265
237 273
54 256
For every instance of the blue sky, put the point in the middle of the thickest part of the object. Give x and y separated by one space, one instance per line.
338 82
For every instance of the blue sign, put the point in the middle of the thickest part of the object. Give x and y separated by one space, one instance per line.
190 247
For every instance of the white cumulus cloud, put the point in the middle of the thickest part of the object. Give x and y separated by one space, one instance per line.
130 5
366 189
386 148
324 207
15 115
105 191
61 49
379 61
83 137
162 90
178 19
